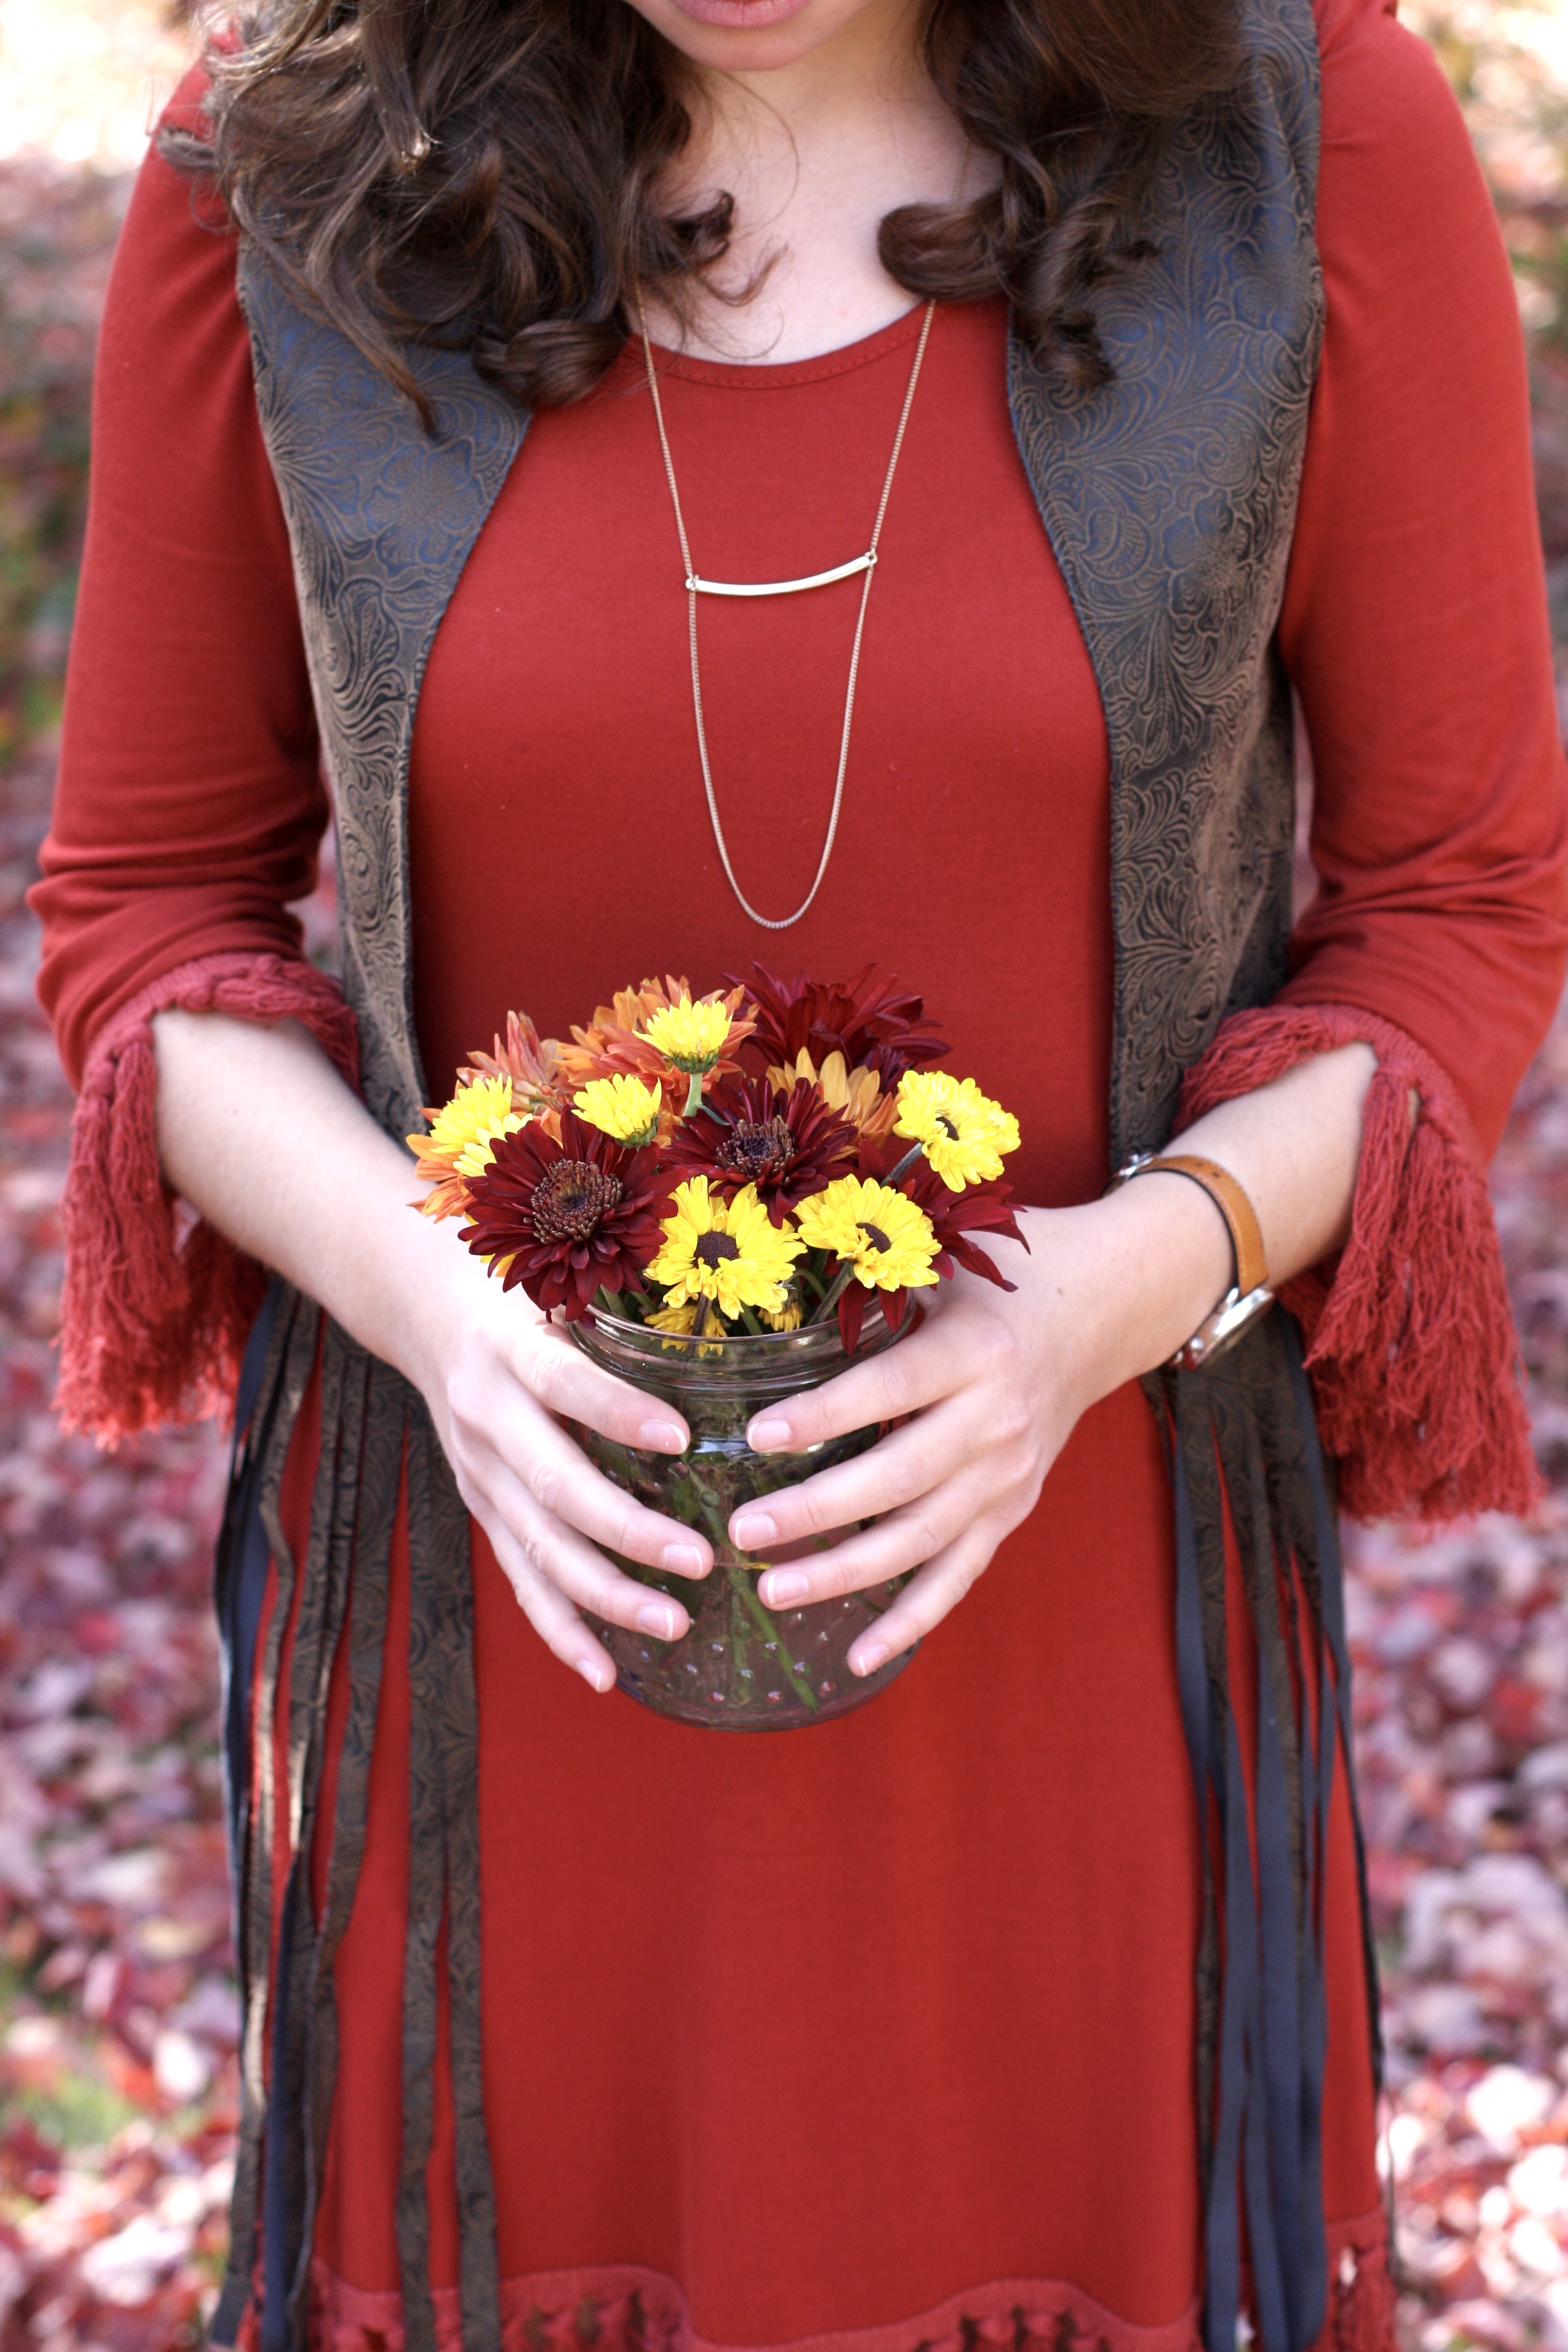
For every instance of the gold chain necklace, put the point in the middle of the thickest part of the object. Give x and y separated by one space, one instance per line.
697 586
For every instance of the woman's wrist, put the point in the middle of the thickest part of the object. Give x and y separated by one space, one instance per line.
1157 1255
259 1133
1148 1263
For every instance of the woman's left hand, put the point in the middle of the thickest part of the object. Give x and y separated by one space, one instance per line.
996 1380
985 1394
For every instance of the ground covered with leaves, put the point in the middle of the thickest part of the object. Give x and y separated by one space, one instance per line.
117 2011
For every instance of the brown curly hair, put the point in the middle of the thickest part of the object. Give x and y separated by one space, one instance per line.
485 174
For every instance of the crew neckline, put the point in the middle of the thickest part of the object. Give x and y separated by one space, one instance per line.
779 375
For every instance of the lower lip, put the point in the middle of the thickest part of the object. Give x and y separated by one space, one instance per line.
742 15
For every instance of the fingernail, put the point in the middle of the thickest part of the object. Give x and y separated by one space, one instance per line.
661 1438
869 1660
753 1528
763 1435
783 1587
657 1617
589 1668
683 1559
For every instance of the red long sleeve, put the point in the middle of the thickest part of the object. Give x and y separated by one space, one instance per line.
190 808
1414 618
1415 627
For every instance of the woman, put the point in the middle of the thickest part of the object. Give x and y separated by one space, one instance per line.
961 2017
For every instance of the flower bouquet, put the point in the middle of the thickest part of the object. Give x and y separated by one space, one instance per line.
726 1198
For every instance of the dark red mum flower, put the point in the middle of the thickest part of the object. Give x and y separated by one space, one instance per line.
852 1308
870 1022
749 1132
978 1209
570 1216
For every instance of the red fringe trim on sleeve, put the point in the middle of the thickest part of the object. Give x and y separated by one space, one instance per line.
155 1311
1410 1337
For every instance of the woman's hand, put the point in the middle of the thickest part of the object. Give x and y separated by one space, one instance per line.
499 1377
334 1216
996 1380
985 1403
987 1394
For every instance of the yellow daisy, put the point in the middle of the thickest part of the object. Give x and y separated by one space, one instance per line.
880 1234
461 1140
962 1131
679 1322
785 1318
691 1036
679 1318
729 1252
623 1107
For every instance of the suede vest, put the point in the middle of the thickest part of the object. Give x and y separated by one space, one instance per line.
1169 499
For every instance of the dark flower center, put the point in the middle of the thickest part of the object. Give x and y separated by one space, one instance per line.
942 1121
570 1200
713 1249
877 1237
757 1148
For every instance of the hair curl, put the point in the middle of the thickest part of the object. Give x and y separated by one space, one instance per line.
484 174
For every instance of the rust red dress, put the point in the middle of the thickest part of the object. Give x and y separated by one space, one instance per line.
854 2037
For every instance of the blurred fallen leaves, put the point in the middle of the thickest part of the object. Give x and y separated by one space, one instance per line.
117 2006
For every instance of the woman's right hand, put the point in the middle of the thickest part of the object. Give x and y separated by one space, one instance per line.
334 1215
499 1378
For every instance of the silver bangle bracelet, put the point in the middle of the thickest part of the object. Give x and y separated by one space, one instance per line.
1235 1313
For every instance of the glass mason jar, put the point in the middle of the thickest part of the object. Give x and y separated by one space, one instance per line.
739 1666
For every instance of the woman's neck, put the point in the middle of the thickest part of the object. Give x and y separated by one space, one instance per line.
815 151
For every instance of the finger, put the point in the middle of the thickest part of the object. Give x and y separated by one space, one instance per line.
552 1615
926 1599
896 1470
567 1486
496 1417
895 1546
949 1352
559 1376
564 1559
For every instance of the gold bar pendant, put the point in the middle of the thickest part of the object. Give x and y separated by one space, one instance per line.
779 587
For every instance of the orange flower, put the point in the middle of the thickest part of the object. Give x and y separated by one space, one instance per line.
855 1095
612 1045
529 1061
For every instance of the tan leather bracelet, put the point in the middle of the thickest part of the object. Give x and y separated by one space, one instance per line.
1229 1199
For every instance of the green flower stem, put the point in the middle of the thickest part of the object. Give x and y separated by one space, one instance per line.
832 1296
770 1631
718 1534
693 1093
905 1164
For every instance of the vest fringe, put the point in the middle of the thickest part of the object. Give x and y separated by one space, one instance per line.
378 1455
1410 1347
1259 1596
379 1490
153 1326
